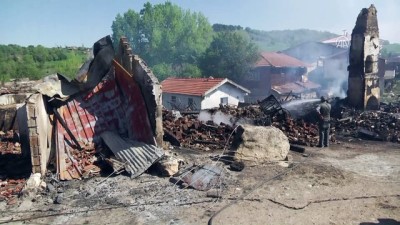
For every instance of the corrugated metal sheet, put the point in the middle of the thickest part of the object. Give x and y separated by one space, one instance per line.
137 156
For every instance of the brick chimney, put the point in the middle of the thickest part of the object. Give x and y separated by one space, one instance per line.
363 91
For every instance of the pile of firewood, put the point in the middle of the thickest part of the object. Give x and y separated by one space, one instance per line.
188 131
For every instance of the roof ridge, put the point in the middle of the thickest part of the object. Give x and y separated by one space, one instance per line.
267 59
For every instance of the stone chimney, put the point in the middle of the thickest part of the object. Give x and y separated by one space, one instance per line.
363 91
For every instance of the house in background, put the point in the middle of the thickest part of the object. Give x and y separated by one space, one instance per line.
387 73
296 90
194 94
328 60
273 73
393 64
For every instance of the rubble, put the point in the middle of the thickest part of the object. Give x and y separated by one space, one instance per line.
169 165
381 125
11 188
189 132
301 129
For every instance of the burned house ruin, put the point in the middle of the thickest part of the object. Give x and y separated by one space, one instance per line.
363 89
114 103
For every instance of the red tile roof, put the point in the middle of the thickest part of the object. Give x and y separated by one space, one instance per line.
289 87
190 86
278 59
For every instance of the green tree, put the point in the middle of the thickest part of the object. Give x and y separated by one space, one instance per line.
128 26
231 54
36 62
40 54
164 34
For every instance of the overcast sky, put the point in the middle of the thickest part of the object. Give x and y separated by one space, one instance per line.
82 22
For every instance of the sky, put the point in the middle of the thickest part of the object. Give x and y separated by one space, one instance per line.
53 23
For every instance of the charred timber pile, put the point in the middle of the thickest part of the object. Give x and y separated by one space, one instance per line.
381 125
300 132
188 131
297 130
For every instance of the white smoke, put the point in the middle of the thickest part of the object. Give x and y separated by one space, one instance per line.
335 80
300 108
218 117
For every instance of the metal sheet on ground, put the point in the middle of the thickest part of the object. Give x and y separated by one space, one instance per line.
137 156
205 178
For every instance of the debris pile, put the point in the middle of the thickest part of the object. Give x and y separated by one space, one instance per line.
300 132
9 143
68 123
381 125
188 131
10 188
18 86
84 162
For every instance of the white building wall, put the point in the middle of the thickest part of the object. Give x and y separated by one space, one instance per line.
213 99
181 100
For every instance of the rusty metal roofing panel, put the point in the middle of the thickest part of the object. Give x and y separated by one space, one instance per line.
278 59
138 156
295 87
289 87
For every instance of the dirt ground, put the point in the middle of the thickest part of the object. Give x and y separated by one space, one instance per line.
351 182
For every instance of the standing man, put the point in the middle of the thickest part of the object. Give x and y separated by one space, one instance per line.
324 112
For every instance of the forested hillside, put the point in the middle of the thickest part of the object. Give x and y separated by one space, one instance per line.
35 62
390 50
282 39
277 40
